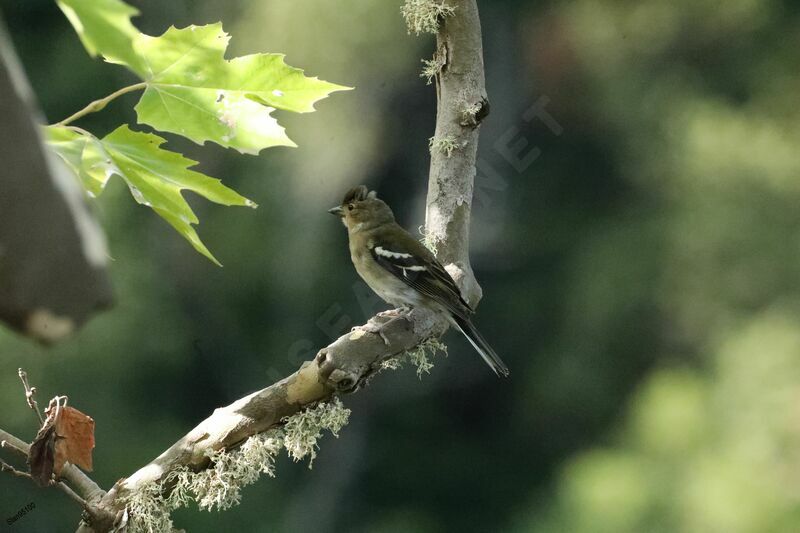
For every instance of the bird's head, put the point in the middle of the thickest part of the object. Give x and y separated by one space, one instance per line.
362 209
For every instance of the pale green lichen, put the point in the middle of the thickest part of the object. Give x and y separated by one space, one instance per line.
395 363
432 67
444 145
472 109
303 429
469 112
420 356
423 16
147 510
429 241
219 486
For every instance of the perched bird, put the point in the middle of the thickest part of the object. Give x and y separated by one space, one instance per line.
401 270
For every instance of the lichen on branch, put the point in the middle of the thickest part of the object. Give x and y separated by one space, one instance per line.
219 487
420 356
424 16
432 67
352 359
302 430
444 145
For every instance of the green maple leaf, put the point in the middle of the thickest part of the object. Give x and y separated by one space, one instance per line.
72 146
154 176
104 27
190 88
194 91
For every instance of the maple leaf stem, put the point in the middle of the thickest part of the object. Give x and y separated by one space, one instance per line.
98 105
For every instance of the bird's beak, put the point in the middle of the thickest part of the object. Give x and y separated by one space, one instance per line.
338 211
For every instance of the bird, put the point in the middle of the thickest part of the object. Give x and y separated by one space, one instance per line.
402 271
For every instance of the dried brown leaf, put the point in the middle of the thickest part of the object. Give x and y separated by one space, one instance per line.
41 458
75 442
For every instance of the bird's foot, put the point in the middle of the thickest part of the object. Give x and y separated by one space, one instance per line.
394 312
403 310
377 329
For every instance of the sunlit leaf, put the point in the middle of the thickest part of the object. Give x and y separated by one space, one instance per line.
192 90
189 89
104 27
154 176
73 147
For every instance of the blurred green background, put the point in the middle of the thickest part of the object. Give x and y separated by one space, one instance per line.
639 258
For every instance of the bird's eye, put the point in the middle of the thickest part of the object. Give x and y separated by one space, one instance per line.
350 207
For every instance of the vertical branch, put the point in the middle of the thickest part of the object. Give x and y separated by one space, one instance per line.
462 105
344 364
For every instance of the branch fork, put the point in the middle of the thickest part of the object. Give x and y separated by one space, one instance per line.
353 359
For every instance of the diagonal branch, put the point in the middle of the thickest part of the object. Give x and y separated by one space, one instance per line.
351 360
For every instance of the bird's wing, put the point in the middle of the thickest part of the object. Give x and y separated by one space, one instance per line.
415 266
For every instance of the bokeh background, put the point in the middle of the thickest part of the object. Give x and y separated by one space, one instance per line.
640 264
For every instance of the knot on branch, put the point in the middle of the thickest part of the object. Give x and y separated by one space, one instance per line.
473 113
335 373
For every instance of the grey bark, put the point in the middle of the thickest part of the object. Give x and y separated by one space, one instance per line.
462 105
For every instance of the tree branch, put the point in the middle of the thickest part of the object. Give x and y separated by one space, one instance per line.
88 493
347 363
30 395
462 105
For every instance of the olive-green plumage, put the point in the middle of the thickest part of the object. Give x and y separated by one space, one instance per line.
401 270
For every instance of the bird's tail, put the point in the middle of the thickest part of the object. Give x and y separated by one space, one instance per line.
479 343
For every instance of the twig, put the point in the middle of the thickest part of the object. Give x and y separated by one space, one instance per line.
98 105
83 484
72 494
5 467
91 492
30 392
7 440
